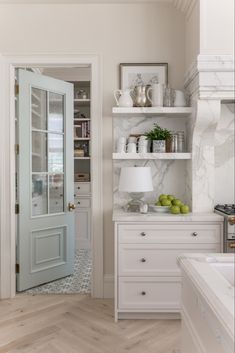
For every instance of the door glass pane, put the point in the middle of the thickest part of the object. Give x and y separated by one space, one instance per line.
39 109
56 192
56 153
56 112
39 151
39 195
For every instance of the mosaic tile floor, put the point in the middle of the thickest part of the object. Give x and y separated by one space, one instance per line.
78 282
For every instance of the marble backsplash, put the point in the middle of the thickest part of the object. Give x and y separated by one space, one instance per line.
169 176
224 156
140 125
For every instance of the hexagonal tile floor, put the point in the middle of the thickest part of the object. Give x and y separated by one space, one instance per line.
78 282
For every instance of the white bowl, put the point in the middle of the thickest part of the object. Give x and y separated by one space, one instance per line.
160 209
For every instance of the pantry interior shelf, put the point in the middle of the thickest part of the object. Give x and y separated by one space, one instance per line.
153 111
81 101
140 156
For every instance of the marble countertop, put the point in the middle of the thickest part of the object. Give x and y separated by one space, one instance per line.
122 216
215 288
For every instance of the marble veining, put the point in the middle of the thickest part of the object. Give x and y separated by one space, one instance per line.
218 291
167 178
224 156
167 174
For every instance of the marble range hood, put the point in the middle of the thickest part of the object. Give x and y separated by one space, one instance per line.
210 83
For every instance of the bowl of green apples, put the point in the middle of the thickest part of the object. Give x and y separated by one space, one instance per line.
170 204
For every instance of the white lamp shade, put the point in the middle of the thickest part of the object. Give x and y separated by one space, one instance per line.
135 179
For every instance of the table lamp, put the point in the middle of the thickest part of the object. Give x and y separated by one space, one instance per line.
136 181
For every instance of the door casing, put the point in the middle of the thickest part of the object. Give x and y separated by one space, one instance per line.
8 65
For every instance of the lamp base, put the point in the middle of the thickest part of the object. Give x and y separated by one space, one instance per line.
135 204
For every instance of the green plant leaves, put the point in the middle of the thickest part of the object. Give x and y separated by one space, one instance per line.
158 133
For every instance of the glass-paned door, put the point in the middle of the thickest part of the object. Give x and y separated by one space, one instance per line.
45 249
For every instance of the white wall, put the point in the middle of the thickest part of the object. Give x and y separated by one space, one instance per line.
192 35
217 27
120 33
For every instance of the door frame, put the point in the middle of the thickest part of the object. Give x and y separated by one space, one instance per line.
8 64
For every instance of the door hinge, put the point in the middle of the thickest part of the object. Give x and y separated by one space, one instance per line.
17 268
16 89
17 208
17 148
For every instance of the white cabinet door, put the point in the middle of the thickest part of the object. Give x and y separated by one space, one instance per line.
83 228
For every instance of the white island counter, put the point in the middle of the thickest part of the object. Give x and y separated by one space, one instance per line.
207 305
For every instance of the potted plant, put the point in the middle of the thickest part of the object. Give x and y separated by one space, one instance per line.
159 138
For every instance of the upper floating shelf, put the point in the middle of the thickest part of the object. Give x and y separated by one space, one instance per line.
153 111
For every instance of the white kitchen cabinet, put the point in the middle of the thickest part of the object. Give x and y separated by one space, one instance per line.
147 276
82 200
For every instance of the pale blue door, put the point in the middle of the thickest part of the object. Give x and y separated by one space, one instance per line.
45 244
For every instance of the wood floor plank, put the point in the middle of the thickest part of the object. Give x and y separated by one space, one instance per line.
79 324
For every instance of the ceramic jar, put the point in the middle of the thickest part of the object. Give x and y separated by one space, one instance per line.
159 146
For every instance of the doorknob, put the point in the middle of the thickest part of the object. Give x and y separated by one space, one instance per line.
71 206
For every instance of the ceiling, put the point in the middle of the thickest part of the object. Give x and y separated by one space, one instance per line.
182 5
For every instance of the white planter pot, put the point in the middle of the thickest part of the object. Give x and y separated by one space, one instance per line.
159 146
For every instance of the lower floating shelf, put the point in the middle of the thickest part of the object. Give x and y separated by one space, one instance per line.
82 158
152 156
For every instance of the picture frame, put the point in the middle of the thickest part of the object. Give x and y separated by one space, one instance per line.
132 73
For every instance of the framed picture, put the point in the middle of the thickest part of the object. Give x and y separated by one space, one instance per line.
132 75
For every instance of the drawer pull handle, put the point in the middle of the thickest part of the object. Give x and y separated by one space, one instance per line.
194 234
143 293
143 234
78 188
78 202
143 260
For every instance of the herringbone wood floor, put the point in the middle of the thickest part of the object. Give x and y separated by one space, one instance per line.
79 324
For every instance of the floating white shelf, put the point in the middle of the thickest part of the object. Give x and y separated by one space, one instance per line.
153 111
82 157
85 119
81 138
172 156
81 101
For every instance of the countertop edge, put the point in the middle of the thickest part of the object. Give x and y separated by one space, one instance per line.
121 216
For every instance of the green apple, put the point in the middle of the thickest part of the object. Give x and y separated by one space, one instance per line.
158 203
175 209
165 202
170 197
162 196
184 209
176 202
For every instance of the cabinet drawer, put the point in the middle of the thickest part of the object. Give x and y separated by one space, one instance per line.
169 233
139 293
157 260
82 202
82 188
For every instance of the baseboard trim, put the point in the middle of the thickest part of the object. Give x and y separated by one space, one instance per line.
108 286
148 316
